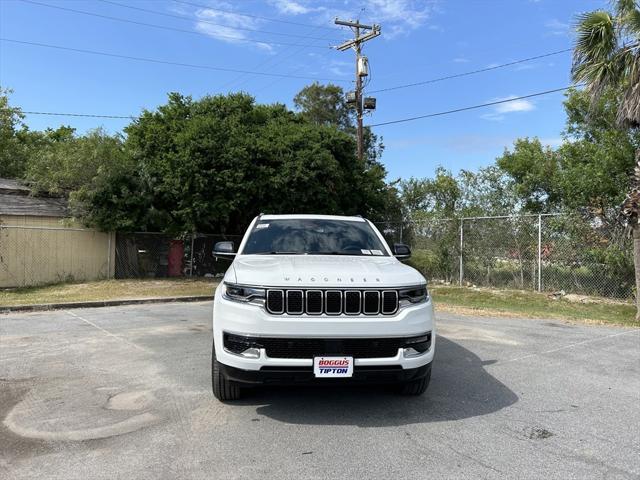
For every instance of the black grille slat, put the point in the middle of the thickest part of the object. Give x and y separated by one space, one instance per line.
371 303
314 302
333 302
275 301
389 302
295 305
352 302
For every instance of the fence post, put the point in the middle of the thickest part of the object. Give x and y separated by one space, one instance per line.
191 265
461 245
109 255
539 253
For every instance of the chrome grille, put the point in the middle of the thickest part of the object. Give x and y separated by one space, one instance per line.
275 301
295 302
371 303
314 302
389 302
332 302
352 302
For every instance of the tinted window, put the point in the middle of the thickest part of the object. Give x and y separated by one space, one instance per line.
314 237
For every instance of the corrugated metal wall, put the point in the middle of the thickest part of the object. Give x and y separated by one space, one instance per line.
43 250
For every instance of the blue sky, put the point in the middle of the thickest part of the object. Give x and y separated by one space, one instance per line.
420 40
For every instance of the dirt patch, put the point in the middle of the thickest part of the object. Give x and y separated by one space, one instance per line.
15 447
538 433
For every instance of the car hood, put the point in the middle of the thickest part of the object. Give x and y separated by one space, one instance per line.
324 271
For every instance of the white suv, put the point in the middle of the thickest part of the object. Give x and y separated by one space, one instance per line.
319 299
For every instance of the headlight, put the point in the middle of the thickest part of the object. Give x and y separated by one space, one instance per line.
412 295
244 294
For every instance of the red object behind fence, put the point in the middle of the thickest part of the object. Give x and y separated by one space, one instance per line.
176 254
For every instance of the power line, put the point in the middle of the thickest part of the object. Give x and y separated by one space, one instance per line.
447 112
472 72
91 115
199 5
191 19
163 27
462 109
166 62
271 62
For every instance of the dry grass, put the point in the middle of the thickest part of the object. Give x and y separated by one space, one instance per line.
518 303
107 290
461 300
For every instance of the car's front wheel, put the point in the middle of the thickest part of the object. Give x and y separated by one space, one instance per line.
416 387
223 389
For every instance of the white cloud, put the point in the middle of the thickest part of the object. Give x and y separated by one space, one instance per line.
460 60
223 26
501 109
290 7
397 17
521 105
556 27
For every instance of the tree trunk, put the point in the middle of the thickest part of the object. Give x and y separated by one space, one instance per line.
636 261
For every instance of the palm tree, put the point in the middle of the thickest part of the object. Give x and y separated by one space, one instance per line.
607 56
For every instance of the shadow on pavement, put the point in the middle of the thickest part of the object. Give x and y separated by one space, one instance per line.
460 388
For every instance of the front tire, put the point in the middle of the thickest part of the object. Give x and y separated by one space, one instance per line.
223 389
415 387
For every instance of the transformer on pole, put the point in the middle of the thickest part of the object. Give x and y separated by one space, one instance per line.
362 70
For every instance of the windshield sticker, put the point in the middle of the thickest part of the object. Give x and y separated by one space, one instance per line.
365 252
262 225
376 252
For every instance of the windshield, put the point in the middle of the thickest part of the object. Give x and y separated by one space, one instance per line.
313 237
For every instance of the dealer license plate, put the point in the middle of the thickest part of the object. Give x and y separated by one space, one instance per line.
327 367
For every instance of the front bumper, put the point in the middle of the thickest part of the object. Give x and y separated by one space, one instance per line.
378 375
252 320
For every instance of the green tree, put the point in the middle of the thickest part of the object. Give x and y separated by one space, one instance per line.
431 197
214 163
607 55
66 163
534 169
16 141
327 105
488 192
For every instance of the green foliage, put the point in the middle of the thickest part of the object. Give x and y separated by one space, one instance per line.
436 197
606 57
533 167
65 162
326 105
212 164
589 171
16 141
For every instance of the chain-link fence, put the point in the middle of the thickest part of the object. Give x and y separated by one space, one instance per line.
533 252
150 255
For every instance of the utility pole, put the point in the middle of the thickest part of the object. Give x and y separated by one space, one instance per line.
362 70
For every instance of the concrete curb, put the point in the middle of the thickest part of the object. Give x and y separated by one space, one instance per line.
103 303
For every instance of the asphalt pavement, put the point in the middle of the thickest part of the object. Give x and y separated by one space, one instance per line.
125 392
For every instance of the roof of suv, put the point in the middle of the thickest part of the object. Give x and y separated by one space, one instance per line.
316 217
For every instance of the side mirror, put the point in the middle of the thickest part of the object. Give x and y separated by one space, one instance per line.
224 250
401 251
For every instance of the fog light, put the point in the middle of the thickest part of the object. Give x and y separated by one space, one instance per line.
251 353
411 352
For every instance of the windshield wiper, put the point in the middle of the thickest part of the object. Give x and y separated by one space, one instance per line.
280 253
